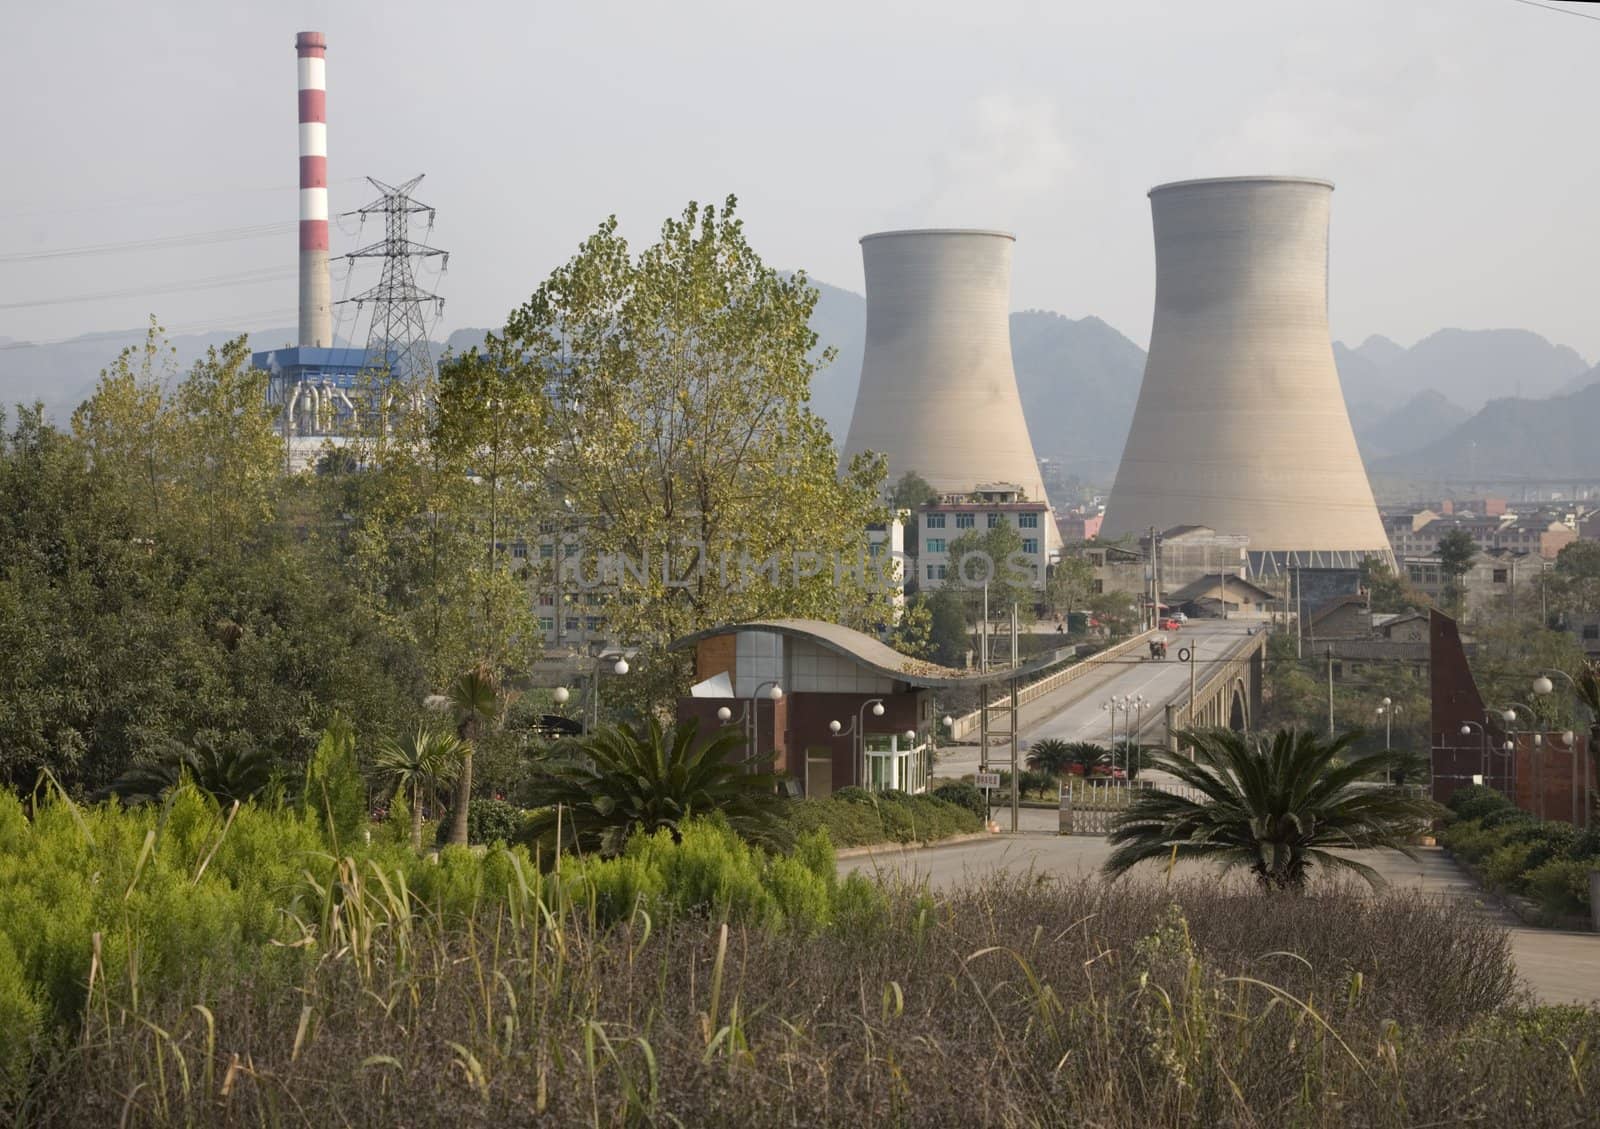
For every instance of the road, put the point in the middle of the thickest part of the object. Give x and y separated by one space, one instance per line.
1074 712
1560 967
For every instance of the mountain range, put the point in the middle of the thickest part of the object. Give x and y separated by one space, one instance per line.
1459 404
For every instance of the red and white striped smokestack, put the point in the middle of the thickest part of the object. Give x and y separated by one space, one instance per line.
316 291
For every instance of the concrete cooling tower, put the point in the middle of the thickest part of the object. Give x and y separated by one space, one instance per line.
1240 424
937 392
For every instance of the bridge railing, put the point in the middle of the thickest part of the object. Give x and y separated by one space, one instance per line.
968 723
1218 681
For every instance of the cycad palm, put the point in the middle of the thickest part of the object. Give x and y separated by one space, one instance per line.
474 699
647 778
416 762
1275 806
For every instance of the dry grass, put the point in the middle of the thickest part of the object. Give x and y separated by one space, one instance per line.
1025 1002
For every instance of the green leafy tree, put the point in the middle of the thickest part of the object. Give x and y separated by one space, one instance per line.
677 385
162 579
1070 585
1387 591
415 765
947 626
1275 805
1115 611
991 555
911 491
1573 586
623 781
1455 552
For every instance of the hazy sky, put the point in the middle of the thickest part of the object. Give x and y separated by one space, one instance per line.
1460 135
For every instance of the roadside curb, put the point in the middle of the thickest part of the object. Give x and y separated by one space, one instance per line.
916 845
1525 910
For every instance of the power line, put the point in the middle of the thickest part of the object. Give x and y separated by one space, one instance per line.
1553 8
157 243
231 322
243 278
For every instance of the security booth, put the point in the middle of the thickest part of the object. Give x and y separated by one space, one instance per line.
830 706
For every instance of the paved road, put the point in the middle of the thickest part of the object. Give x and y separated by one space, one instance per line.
1073 713
1561 967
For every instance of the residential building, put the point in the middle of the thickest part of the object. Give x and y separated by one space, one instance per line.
1495 579
1079 525
941 522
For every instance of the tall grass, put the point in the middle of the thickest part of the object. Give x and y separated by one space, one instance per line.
703 983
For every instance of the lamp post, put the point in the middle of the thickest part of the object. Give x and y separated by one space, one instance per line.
1466 731
858 730
774 693
619 666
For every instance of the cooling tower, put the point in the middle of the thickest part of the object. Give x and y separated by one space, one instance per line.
1240 424
937 392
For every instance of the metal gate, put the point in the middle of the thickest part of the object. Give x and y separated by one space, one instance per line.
1089 807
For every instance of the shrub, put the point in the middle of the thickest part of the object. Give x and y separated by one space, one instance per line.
488 821
883 817
710 872
1502 816
1585 844
1476 801
1561 885
962 795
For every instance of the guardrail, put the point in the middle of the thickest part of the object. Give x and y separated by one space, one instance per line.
1182 716
968 723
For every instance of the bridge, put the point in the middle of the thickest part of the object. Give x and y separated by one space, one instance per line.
1212 676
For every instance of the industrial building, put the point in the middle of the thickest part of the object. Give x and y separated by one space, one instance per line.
1240 424
938 394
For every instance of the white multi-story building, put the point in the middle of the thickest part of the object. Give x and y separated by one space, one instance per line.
941 523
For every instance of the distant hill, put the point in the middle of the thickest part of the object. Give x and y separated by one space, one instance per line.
1078 379
1469 367
1425 417
1548 438
63 374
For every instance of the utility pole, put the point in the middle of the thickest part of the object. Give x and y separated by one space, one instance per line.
1299 614
1330 691
1016 766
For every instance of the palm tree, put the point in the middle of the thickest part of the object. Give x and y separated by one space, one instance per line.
1051 755
474 699
417 762
1276 806
647 778
227 770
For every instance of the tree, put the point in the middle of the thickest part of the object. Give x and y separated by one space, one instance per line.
1274 805
1115 611
677 386
947 626
1071 583
1455 552
417 763
474 700
621 781
991 555
911 491
1574 584
1386 591
164 583
1050 755
228 771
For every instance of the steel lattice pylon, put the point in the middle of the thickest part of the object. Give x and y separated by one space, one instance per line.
398 338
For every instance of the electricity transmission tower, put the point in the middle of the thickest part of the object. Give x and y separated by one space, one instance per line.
398 338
